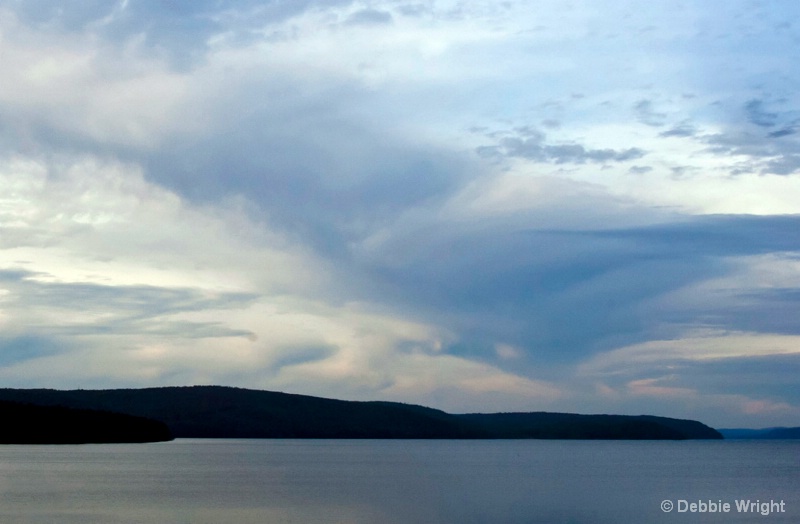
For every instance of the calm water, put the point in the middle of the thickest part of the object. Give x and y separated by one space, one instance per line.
402 482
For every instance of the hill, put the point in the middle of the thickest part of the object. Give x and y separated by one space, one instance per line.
225 412
30 424
572 426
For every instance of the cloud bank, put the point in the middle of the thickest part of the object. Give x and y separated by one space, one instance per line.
470 206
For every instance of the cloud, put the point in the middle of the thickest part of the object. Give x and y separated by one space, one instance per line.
682 130
287 195
773 153
300 148
221 303
784 165
532 146
699 346
760 154
648 115
369 17
566 293
307 175
416 9
20 348
744 373
146 310
179 32
787 131
757 115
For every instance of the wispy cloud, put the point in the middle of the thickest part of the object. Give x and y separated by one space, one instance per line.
532 146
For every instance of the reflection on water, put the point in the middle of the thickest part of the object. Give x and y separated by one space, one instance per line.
369 481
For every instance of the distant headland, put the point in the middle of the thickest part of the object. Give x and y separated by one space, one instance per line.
24 423
156 414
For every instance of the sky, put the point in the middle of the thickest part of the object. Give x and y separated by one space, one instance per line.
477 206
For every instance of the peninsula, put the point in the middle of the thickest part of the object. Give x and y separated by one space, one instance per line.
226 412
32 424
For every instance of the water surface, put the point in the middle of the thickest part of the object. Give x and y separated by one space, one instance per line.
395 481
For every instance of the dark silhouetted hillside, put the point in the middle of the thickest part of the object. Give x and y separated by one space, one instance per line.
221 412
31 424
224 412
605 427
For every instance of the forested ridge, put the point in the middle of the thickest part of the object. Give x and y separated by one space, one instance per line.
226 412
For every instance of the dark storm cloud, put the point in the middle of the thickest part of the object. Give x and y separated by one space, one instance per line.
720 235
557 294
564 294
770 376
308 167
770 310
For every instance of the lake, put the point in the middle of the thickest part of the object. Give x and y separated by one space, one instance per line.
400 481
